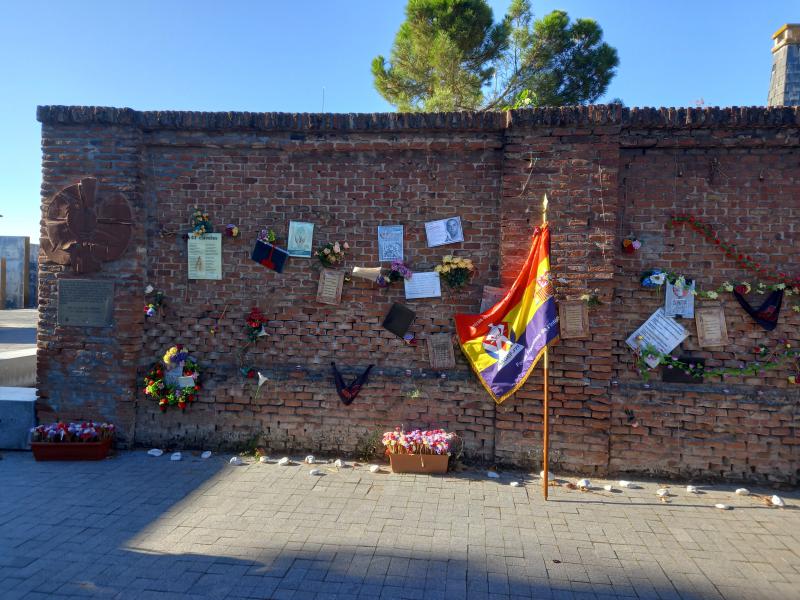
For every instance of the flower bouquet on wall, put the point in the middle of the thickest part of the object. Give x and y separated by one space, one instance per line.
455 271
72 441
331 255
399 271
419 451
174 381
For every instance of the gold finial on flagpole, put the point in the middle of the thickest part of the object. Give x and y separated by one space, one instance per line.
544 210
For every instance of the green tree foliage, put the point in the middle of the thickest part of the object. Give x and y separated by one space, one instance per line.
450 55
442 56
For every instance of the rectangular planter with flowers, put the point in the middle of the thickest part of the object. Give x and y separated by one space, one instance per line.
418 451
72 441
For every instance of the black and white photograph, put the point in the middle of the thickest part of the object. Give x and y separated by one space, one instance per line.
444 231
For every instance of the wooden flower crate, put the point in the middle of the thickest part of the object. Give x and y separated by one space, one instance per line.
71 451
419 463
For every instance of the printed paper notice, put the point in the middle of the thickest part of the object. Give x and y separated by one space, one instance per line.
444 231
205 256
660 331
423 285
680 300
390 243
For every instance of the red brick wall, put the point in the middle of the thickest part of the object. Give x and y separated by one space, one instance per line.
607 171
746 183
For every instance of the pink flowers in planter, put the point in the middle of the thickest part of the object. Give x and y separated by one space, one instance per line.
86 431
436 441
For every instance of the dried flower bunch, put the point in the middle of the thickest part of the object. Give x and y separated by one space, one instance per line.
153 307
398 272
200 223
455 271
332 254
70 433
630 245
267 236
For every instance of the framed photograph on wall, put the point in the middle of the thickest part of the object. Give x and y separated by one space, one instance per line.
444 231
301 239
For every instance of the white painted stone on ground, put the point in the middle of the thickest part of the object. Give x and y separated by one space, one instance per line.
691 489
175 456
374 468
662 492
722 506
263 459
624 484
314 472
742 492
206 454
284 461
584 484
514 484
310 460
549 475
608 488
777 501
492 475
338 463
235 461
155 452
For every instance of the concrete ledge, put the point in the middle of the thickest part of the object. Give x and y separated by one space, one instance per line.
18 368
17 416
550 116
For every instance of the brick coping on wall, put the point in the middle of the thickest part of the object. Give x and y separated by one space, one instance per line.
600 114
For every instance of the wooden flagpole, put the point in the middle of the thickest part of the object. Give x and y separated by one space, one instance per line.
546 433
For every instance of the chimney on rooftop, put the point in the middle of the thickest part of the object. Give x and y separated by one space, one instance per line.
784 83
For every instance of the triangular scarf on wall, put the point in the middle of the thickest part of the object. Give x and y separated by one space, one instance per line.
349 392
765 315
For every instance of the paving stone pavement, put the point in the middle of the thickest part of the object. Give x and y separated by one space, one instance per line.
140 527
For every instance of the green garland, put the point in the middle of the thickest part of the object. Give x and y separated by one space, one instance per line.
769 360
743 287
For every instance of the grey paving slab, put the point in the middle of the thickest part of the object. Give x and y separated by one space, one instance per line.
138 527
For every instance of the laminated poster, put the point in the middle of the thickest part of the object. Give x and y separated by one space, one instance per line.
205 256
662 332
390 243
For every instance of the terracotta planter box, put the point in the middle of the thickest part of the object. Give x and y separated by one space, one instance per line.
75 451
419 463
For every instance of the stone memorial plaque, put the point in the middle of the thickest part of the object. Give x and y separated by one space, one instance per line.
440 351
573 318
85 303
329 289
711 328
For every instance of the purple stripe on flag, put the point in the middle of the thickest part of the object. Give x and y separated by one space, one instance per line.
541 330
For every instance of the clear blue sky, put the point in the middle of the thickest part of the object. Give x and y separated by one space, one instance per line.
279 55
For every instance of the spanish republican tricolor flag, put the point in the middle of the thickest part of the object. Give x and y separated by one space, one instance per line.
504 343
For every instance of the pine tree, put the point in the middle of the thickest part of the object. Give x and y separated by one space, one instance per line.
450 55
442 56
